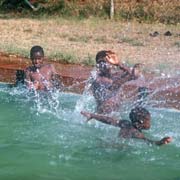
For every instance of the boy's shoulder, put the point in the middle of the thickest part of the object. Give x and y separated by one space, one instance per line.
125 124
29 69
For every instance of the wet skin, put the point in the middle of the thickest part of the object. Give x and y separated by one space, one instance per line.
128 129
108 82
41 76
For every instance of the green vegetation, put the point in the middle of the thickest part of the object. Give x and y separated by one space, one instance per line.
131 41
12 49
163 67
84 39
70 58
63 57
73 31
142 11
90 60
177 44
102 39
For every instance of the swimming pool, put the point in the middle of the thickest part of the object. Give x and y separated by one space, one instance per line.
47 139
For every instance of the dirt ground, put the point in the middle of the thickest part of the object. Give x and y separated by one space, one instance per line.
81 40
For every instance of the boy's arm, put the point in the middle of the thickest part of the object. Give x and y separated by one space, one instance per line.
27 79
101 118
164 140
125 68
131 72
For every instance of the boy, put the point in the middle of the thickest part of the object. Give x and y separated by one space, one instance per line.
111 75
41 76
140 119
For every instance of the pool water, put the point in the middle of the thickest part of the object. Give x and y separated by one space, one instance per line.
44 137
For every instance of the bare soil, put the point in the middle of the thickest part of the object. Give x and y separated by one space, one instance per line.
81 40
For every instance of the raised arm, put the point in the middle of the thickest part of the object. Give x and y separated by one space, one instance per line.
123 76
101 118
135 72
124 68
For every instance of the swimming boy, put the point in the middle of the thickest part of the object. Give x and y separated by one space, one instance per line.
140 119
111 74
41 76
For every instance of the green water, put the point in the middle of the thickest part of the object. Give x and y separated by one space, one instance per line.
48 140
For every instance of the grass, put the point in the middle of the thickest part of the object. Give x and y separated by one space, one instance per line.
70 58
78 41
64 57
177 44
162 67
141 11
131 41
102 39
89 60
12 49
83 39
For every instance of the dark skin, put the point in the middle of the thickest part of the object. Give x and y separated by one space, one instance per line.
108 82
41 76
117 78
128 129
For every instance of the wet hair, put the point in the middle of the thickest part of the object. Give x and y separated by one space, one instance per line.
102 55
36 49
138 114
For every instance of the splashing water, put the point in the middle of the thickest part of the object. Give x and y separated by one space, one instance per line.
43 136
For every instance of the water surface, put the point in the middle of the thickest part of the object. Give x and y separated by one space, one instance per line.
46 138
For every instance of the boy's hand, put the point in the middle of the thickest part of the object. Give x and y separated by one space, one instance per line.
36 85
88 115
166 140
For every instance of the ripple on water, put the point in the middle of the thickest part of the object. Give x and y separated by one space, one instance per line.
49 136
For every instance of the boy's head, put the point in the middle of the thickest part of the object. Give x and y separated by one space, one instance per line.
140 118
107 56
37 55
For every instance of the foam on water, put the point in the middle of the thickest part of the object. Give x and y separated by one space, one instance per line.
49 134
67 106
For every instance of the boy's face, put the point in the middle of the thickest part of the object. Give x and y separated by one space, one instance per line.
145 123
104 67
37 59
